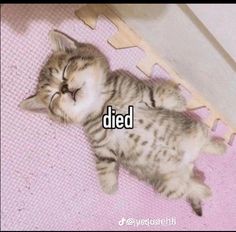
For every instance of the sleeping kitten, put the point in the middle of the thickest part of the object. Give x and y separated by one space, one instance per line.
76 86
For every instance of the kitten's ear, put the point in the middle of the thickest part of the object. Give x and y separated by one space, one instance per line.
32 103
61 42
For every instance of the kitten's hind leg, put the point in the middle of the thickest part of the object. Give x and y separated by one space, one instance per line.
174 185
107 169
183 184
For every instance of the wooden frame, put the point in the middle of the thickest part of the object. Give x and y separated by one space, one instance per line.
126 38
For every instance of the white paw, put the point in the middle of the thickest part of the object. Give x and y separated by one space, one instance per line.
109 183
181 104
175 102
109 188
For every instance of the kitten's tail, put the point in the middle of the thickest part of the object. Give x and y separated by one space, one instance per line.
197 192
214 146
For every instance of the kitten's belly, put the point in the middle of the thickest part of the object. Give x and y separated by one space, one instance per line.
155 147
151 165
146 156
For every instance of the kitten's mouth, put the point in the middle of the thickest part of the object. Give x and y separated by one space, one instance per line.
73 94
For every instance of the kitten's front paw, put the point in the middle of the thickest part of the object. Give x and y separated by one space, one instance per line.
110 188
181 104
175 102
109 184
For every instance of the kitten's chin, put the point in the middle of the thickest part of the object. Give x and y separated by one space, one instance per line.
83 115
80 115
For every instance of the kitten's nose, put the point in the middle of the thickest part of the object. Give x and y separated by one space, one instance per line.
64 88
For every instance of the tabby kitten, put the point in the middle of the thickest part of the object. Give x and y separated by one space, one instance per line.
76 86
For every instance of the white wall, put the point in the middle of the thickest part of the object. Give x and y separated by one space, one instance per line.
220 20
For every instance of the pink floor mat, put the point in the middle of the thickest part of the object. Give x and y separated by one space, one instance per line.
48 178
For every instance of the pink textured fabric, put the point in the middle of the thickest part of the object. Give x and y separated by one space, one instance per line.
48 175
